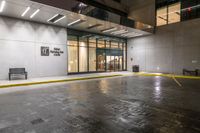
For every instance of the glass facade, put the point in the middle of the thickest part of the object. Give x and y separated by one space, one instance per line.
172 11
95 53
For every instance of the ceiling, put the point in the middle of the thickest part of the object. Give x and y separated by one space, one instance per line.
17 7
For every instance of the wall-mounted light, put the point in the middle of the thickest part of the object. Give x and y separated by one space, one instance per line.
3 3
24 13
36 12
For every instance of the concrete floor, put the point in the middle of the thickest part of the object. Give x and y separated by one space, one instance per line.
116 105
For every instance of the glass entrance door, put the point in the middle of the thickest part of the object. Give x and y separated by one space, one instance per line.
113 63
95 53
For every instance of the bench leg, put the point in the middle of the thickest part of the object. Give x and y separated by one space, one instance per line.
9 76
183 72
196 73
26 76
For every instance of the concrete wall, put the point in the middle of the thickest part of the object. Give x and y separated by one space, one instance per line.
20 43
171 49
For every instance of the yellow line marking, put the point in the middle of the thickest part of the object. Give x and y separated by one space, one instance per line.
58 81
176 81
167 75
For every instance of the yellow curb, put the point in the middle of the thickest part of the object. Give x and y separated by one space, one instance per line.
57 81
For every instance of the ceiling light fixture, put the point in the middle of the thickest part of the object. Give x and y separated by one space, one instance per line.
60 19
94 26
136 35
52 17
130 33
24 13
109 29
76 22
3 3
56 18
89 35
36 12
119 32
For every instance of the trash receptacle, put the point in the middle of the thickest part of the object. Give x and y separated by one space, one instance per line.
136 68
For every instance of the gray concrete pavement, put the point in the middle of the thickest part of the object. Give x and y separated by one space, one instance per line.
115 105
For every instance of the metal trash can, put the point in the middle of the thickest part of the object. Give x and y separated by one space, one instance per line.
136 68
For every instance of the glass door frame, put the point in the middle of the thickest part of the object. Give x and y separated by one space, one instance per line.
107 47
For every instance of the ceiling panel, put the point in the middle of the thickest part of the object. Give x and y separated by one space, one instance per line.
17 7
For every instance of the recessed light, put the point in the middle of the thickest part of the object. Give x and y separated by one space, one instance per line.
3 3
56 18
109 29
24 13
78 21
60 19
94 26
36 12
119 32
52 17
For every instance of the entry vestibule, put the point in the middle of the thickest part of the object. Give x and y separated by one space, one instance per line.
96 53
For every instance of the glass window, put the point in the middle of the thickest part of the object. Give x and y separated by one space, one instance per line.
92 59
101 44
92 43
120 46
91 54
73 55
174 13
107 44
83 56
162 16
124 51
101 60
114 45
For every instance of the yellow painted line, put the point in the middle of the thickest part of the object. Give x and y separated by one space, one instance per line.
176 81
57 81
168 75
186 77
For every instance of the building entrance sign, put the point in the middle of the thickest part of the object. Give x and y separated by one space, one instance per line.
45 51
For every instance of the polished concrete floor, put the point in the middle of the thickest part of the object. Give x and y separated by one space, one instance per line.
114 105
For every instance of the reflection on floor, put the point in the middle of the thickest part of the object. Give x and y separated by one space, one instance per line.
132 104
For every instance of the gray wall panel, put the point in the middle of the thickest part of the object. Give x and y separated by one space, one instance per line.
20 43
171 49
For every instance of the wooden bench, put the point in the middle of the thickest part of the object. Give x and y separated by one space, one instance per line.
190 72
17 71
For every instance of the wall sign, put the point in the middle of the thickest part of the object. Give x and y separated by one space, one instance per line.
45 51
56 52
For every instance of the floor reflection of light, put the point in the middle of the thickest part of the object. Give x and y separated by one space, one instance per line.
104 86
123 120
157 90
157 94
